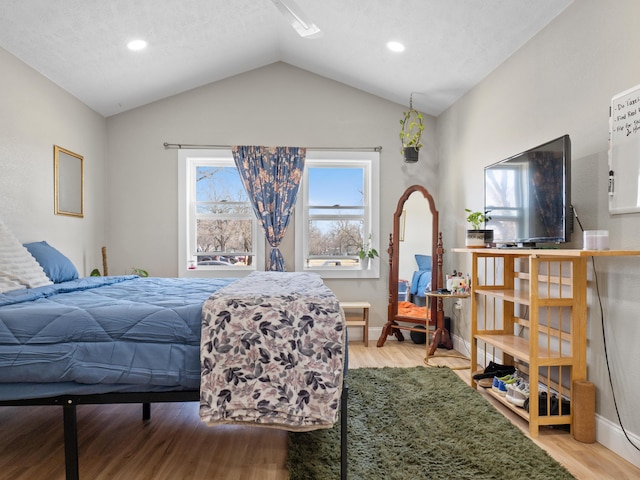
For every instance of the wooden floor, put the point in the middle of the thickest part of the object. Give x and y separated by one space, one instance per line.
116 444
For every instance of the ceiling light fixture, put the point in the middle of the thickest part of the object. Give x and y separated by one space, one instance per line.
136 45
395 46
297 19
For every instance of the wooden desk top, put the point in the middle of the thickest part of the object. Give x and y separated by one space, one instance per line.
548 252
447 295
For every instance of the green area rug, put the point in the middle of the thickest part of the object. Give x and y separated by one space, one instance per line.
419 423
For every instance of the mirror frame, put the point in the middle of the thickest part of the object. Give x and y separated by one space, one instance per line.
393 251
68 182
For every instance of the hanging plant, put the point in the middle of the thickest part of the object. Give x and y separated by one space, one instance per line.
411 128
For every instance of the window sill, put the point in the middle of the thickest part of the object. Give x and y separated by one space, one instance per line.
356 273
204 272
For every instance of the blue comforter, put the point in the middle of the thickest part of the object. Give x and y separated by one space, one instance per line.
420 282
102 334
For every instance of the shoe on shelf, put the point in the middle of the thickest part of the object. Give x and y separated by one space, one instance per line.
498 380
518 394
553 405
500 383
496 383
494 369
485 382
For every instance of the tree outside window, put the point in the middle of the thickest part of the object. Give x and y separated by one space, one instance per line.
224 218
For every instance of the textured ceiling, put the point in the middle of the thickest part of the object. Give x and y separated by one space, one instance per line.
451 44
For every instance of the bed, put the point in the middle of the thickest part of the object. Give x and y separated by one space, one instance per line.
421 280
125 339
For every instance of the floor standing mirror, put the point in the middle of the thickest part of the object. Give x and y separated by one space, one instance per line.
415 264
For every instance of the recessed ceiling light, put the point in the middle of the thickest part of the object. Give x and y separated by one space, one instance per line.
395 46
136 45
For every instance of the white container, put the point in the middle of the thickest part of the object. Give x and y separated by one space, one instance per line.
595 240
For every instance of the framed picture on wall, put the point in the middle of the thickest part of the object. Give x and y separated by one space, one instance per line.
69 182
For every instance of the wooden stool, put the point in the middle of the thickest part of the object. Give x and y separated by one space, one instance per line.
357 321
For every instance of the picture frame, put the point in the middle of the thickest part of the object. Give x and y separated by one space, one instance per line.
68 182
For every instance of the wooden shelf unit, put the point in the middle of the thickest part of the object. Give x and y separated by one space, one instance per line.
519 291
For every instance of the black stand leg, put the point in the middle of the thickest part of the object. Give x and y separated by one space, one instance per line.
70 441
146 411
343 431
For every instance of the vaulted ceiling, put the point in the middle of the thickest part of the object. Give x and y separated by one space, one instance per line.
451 45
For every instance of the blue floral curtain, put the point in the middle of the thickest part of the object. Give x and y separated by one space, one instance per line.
271 177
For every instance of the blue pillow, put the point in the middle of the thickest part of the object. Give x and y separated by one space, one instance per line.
57 267
424 262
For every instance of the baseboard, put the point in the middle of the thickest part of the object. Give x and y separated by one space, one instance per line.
374 335
611 436
356 334
461 345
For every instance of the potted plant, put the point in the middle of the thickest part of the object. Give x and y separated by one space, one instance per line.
366 252
478 237
134 271
411 128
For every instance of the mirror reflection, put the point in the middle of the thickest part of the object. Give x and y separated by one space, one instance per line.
415 256
413 264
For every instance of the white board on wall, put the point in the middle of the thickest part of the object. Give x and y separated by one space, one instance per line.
624 152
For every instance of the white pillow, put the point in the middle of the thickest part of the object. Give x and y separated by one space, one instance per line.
18 268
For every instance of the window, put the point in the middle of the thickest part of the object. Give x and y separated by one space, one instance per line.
218 227
337 211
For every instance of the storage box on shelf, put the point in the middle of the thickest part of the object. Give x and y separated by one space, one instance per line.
529 309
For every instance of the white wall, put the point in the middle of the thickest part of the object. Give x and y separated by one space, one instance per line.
562 81
35 115
274 105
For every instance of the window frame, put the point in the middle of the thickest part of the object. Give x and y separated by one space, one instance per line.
188 161
370 161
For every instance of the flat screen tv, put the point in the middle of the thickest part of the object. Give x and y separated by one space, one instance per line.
529 196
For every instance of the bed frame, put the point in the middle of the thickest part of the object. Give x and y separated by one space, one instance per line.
70 402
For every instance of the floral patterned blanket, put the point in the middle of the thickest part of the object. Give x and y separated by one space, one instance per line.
272 353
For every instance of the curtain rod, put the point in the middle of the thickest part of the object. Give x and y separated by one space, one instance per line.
229 147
